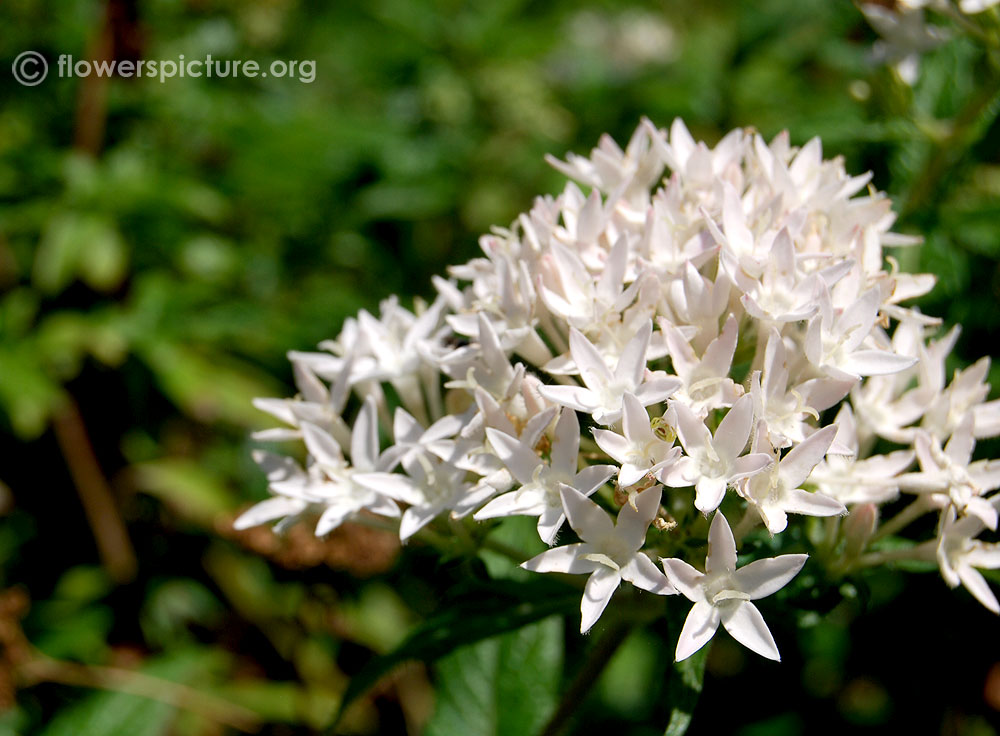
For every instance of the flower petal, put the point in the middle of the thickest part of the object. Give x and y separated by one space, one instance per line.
601 585
633 523
763 577
644 574
588 519
685 578
747 626
721 546
700 625
734 429
568 559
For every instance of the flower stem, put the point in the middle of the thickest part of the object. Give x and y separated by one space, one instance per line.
911 513
597 659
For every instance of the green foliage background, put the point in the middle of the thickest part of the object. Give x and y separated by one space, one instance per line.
162 245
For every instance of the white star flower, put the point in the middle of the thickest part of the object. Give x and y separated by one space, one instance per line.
722 594
603 390
713 462
641 451
609 552
541 482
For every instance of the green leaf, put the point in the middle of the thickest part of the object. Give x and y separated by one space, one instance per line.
503 686
195 492
114 714
483 611
683 690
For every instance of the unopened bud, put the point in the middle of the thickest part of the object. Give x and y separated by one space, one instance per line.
859 527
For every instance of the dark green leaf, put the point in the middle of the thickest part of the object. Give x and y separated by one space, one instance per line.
502 686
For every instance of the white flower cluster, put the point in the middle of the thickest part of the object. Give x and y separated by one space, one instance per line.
664 346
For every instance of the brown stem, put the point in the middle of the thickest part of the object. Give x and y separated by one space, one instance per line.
102 513
115 679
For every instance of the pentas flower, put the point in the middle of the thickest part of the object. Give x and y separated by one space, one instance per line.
733 302
723 593
603 390
778 491
642 451
541 483
713 462
609 552
951 479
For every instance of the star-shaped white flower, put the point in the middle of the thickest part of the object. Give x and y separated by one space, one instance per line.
541 482
602 392
778 492
640 451
609 552
722 594
713 462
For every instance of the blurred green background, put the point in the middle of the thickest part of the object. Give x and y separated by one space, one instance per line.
162 245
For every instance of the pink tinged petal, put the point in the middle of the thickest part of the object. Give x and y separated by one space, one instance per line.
746 625
796 466
566 445
657 389
550 521
747 465
764 577
734 430
589 362
699 627
636 420
601 585
521 460
592 477
685 578
632 363
976 584
643 574
269 510
721 546
575 397
414 519
364 438
588 519
569 559
613 444
633 523
321 445
799 501
709 493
